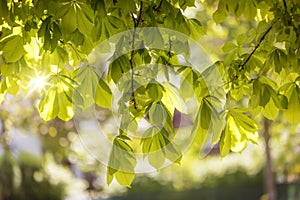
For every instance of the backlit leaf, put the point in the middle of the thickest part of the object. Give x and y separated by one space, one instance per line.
13 49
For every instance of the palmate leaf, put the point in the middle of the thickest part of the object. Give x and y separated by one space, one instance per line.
265 95
239 129
117 68
92 88
157 114
121 162
58 57
209 122
87 80
155 91
270 111
157 146
171 99
56 100
106 27
196 28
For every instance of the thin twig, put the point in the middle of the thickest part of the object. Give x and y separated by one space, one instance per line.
285 6
242 66
169 52
156 9
136 23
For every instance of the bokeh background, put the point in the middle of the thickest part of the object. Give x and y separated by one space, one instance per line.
40 160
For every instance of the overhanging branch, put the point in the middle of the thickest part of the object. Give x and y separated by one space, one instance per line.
242 66
136 23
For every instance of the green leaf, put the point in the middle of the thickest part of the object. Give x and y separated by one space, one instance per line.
56 100
172 99
157 145
59 57
118 67
221 13
250 9
13 49
225 143
48 106
3 9
270 111
241 39
153 38
156 158
196 29
205 113
5 32
157 114
9 84
238 138
84 24
239 129
217 122
87 80
188 82
155 91
280 101
103 96
228 46
77 37
121 162
292 114
69 21
265 96
124 178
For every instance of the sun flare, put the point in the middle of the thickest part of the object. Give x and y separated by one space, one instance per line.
37 83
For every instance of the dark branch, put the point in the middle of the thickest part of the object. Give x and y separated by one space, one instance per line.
285 6
242 66
169 52
136 23
156 9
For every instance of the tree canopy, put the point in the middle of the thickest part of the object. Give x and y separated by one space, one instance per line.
51 46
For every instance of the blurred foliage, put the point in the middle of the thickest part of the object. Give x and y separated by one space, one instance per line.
25 179
255 45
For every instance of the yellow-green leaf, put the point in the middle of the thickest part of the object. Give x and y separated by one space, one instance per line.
270 111
124 178
292 114
13 49
103 96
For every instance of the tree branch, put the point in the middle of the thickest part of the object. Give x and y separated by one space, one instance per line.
136 23
285 6
169 51
156 8
242 66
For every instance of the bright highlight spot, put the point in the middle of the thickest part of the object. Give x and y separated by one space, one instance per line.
37 83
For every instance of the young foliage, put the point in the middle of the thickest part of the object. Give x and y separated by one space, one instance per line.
259 72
